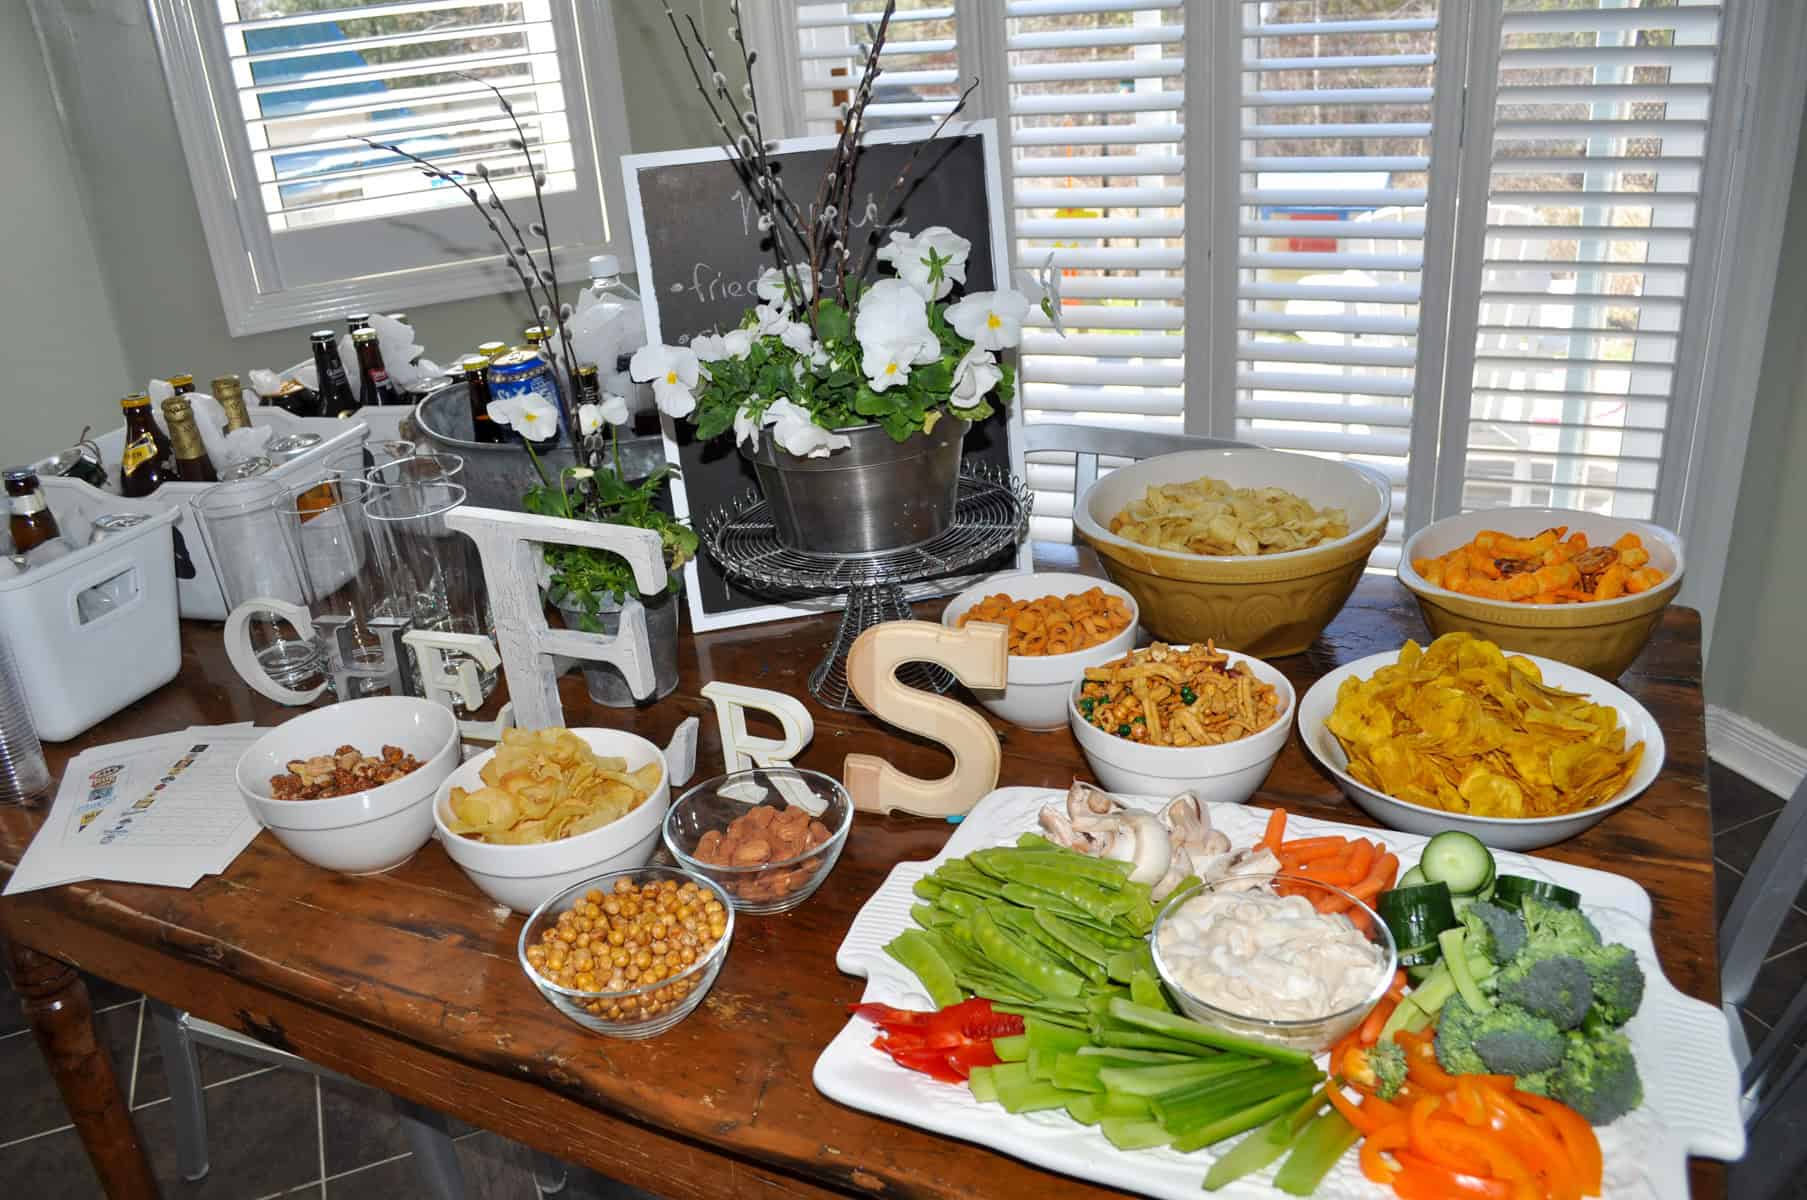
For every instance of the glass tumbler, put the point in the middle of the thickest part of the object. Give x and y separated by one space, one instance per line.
242 523
24 775
433 572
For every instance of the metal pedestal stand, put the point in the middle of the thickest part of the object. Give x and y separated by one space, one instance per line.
992 515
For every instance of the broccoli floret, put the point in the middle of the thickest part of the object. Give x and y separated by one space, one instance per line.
1618 982
1558 987
1552 929
1539 1084
1598 1078
1503 1041
1381 1066
1497 932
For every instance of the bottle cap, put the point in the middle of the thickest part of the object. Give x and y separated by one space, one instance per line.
604 265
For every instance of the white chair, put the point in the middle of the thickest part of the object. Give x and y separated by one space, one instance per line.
1088 443
1774 1074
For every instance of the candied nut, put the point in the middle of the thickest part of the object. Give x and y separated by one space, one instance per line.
752 852
818 833
759 817
709 845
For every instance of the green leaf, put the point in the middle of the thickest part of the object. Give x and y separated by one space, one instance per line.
832 322
715 422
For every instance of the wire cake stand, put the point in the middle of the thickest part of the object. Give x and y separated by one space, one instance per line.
992 514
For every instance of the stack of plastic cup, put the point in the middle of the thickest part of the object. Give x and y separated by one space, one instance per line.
23 773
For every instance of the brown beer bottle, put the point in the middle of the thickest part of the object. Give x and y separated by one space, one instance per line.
192 463
535 336
334 389
148 461
32 522
373 377
231 395
473 370
181 385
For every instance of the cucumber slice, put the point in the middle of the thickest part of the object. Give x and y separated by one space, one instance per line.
1416 915
1459 860
1509 891
1412 878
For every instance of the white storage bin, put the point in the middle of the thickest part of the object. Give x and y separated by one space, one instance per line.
95 630
200 596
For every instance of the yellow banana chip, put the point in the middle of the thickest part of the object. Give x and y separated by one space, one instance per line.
546 784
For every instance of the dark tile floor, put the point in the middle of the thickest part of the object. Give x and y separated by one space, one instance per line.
275 1132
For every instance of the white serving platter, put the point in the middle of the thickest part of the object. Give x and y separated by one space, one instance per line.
1508 833
1682 1045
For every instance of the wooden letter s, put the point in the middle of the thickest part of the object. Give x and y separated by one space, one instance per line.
978 656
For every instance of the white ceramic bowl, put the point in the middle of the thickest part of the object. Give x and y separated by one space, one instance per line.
1504 833
524 877
1035 692
1224 774
365 832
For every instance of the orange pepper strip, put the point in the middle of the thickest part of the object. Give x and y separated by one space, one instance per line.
1388 1112
1386 1137
1425 1139
1421 1179
1275 831
1577 1138
1422 1068
1481 1146
1364 1121
1369 1032
1537 1146
1465 1101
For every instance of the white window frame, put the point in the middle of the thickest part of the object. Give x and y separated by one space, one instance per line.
239 240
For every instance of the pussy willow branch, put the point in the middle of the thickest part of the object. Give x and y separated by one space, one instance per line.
890 209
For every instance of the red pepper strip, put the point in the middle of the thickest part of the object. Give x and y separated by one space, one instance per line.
1386 1137
973 1054
1577 1138
1421 1179
886 1016
930 1063
1537 1146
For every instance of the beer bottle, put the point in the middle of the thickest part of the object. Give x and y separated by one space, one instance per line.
492 350
32 522
192 463
334 390
535 335
231 395
473 370
356 321
182 384
373 378
147 463
586 388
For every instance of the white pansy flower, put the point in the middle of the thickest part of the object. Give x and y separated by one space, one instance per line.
589 419
798 289
974 377
708 347
774 318
885 366
797 432
893 324
1042 287
818 357
909 257
672 370
582 473
746 427
991 320
799 337
614 409
737 343
530 416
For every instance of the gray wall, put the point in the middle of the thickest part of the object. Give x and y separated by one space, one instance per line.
105 210
1759 662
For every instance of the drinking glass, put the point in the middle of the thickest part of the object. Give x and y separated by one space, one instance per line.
24 774
419 468
243 524
331 540
432 571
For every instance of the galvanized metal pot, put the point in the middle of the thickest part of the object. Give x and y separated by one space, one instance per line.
605 684
873 496
496 475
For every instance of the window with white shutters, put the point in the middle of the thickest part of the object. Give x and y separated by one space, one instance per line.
295 90
920 59
1330 201
1599 138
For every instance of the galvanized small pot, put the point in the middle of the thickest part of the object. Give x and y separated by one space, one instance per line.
872 496
605 684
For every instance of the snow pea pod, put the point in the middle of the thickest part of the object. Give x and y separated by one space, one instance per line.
917 952
1100 904
1001 862
1035 898
1030 965
1074 938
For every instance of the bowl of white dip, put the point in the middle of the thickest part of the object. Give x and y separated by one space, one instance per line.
1299 970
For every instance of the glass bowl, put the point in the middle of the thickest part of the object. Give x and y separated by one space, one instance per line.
781 871
645 1011
1310 1034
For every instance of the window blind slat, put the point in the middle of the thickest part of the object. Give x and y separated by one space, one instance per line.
1097 135
1083 166
1089 37
1120 197
1098 71
1065 228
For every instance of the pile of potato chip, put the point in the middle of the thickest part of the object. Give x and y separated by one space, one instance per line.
545 785
1208 516
1460 727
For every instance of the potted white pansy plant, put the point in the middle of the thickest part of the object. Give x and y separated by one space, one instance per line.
851 395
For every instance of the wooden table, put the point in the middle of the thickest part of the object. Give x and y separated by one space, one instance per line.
409 981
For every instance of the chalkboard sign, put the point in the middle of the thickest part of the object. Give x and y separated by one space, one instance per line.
699 252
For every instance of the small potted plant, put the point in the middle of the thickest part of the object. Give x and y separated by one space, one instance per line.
851 396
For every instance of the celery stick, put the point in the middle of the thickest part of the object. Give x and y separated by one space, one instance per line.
1047 1042
1183 1113
1117 1105
1226 1127
1135 1039
1185 1029
1014 1048
1165 1077
1252 1153
1031 1096
1078 1074
1128 1133
1087 1110
1314 1152
1126 1057
984 1090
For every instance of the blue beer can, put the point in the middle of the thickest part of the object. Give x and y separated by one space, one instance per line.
521 373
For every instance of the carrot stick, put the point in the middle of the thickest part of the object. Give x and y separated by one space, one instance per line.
1369 1033
1397 991
1361 857
1276 830
1313 846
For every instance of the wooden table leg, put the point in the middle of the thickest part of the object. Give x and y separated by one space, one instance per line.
56 1003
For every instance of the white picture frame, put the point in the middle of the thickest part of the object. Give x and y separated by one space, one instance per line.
702 620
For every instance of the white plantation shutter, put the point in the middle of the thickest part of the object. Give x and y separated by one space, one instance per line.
1330 200
920 61
1097 179
289 90
1599 131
